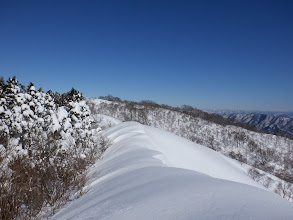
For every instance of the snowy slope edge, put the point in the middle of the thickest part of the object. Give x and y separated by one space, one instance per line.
141 177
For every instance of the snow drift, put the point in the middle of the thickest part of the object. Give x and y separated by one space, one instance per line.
152 174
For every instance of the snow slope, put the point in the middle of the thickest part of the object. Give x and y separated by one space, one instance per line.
152 174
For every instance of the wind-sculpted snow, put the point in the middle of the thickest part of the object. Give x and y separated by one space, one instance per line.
151 174
272 155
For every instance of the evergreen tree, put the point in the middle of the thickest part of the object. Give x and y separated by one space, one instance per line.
42 138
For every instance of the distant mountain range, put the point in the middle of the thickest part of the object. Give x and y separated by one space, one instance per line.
268 121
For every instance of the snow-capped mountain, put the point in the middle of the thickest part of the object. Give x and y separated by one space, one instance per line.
266 122
275 122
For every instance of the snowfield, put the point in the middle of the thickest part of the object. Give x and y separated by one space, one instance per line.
149 173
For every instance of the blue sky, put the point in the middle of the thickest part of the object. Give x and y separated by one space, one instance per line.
209 54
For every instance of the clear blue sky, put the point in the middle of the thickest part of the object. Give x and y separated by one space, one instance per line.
209 54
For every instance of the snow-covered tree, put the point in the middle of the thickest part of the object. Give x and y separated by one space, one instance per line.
46 143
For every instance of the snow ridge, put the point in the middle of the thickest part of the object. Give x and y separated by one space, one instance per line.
139 177
270 157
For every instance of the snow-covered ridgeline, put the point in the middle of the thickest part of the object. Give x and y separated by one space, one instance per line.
270 153
151 174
